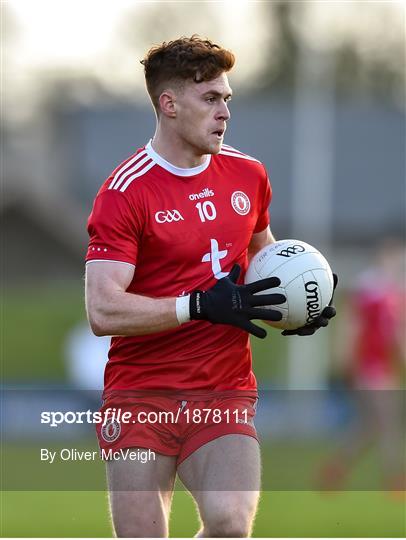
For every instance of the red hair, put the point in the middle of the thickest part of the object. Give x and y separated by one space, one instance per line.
184 59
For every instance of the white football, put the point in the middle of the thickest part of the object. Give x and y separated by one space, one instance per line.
306 280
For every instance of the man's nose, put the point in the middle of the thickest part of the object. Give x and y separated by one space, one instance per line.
223 112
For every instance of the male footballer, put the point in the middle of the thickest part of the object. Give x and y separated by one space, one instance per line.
171 233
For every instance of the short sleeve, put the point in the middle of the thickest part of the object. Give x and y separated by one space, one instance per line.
114 229
264 200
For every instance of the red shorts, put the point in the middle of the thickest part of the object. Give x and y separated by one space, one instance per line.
172 426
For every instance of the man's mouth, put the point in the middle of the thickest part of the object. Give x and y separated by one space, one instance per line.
219 133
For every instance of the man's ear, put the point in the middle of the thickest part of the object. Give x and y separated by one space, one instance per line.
167 103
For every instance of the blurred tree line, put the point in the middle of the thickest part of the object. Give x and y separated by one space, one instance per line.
371 76
375 74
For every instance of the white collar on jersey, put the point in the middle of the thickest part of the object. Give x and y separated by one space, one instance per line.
179 171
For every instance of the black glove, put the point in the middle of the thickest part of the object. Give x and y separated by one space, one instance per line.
229 303
322 320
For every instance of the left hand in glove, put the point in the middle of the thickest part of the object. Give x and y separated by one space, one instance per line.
322 320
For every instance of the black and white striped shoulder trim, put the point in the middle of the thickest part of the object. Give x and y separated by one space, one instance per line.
130 170
230 151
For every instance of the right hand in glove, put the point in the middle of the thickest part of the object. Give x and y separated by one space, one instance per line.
229 303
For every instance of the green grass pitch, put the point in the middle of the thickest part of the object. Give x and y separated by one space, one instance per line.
281 514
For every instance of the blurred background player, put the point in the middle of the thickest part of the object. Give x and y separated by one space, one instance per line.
85 359
373 367
86 356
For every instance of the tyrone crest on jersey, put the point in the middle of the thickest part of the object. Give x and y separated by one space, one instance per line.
240 203
111 430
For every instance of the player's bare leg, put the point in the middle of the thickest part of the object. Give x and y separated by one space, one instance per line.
140 496
224 478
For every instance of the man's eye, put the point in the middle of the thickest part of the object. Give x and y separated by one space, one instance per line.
210 100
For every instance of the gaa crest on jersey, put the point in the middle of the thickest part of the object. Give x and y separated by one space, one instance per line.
167 216
240 203
111 430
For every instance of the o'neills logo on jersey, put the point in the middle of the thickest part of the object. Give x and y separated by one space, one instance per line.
202 195
240 202
111 430
312 301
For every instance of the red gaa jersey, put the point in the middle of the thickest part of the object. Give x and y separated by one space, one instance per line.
377 303
182 229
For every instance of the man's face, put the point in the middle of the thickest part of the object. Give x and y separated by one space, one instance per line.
202 113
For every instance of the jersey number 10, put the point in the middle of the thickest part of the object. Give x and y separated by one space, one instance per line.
206 210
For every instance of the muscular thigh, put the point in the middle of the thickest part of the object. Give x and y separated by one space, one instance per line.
224 478
228 463
136 489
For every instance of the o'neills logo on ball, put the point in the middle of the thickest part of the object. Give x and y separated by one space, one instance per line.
313 302
111 430
240 202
